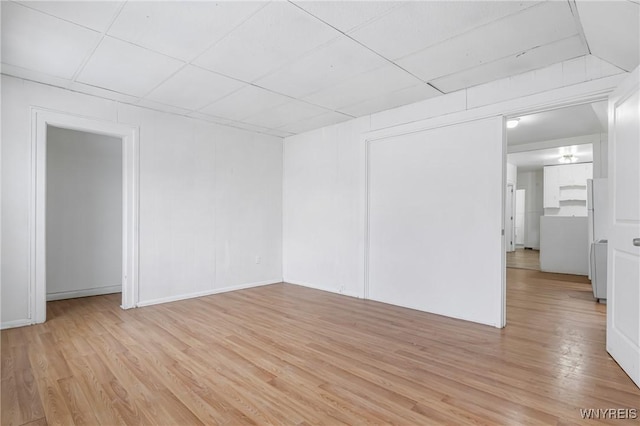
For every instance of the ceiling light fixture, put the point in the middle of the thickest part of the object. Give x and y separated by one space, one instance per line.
568 158
511 123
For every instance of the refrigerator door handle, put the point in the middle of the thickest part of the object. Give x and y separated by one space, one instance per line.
636 242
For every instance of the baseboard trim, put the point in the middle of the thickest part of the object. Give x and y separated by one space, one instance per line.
16 323
205 293
84 293
316 287
327 289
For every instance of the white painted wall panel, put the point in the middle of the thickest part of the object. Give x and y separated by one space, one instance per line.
179 202
324 208
532 183
423 237
248 221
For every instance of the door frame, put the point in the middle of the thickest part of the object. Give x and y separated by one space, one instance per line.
129 134
511 245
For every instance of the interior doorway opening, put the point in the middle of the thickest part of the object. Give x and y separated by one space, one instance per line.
83 214
127 138
556 153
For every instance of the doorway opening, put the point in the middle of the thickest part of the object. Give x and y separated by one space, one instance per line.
555 154
83 214
84 211
552 158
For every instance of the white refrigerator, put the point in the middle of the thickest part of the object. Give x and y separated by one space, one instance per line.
598 214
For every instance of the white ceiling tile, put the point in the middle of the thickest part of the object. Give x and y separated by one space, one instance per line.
347 15
390 100
612 29
316 122
245 102
372 84
96 15
284 114
274 36
421 24
180 29
335 62
536 26
538 57
123 67
193 88
39 42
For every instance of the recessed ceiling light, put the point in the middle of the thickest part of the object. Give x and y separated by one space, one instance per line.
512 123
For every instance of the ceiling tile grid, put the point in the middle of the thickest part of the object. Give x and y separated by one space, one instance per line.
247 101
285 67
284 114
181 29
421 24
193 88
96 15
362 87
488 43
127 68
40 42
276 35
334 62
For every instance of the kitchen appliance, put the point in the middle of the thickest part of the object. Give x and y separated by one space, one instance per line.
598 215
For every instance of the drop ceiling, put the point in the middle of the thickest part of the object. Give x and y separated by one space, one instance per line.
287 67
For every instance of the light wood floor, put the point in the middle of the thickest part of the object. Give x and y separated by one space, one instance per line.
524 259
290 355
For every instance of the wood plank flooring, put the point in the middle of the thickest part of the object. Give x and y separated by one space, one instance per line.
524 259
283 354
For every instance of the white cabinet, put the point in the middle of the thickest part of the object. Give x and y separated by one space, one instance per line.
551 192
565 189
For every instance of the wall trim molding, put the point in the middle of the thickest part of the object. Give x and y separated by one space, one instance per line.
16 323
96 291
321 288
206 292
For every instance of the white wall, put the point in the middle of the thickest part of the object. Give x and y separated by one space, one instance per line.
324 170
210 198
512 174
324 206
532 183
84 213
601 156
424 218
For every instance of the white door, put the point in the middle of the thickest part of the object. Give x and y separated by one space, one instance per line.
509 228
623 279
